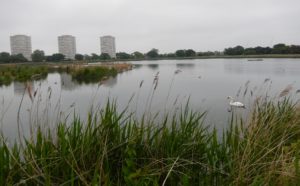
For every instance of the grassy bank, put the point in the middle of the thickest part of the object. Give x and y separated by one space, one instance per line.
113 148
213 57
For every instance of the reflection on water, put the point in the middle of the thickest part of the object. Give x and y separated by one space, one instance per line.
240 66
110 82
137 65
67 83
21 87
153 66
205 83
185 65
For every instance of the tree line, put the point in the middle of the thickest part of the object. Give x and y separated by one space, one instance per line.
39 55
276 49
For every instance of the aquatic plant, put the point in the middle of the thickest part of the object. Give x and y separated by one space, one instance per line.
92 74
115 148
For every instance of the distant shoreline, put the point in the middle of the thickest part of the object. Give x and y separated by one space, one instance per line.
222 57
264 56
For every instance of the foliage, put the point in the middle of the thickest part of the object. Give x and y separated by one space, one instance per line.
4 57
55 57
138 55
38 56
185 53
104 56
21 73
92 74
17 58
114 148
208 53
123 55
238 50
153 53
79 57
180 53
94 56
277 49
190 53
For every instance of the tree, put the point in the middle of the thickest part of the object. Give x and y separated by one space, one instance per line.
123 55
249 51
295 49
87 57
48 58
38 56
4 57
180 53
138 55
208 53
79 57
55 57
280 49
238 50
94 56
153 53
104 56
170 55
17 58
190 53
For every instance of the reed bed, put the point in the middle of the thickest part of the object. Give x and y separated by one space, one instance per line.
114 148
79 73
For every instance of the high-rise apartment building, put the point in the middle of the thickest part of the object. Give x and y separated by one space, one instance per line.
67 46
108 45
21 44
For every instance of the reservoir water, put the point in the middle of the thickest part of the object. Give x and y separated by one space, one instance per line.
151 87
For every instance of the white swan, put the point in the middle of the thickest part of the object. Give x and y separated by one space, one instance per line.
235 103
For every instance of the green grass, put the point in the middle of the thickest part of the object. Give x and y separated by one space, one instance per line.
92 74
8 74
23 73
113 148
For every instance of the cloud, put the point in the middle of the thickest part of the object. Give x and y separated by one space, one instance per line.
141 25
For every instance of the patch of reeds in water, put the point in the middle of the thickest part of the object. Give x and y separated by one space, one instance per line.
82 74
113 148
21 73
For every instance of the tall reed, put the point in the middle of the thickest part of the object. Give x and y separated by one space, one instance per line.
114 148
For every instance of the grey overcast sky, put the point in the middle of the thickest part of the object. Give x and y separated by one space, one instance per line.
140 25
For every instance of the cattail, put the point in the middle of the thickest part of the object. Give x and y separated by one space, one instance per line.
29 89
266 80
257 99
245 92
286 91
175 101
141 83
156 83
177 71
34 94
247 83
238 92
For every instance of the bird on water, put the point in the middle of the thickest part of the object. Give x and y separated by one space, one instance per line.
235 103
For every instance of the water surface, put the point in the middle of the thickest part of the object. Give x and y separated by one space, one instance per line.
206 83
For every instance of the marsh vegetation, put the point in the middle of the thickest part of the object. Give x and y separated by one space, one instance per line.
115 148
82 74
